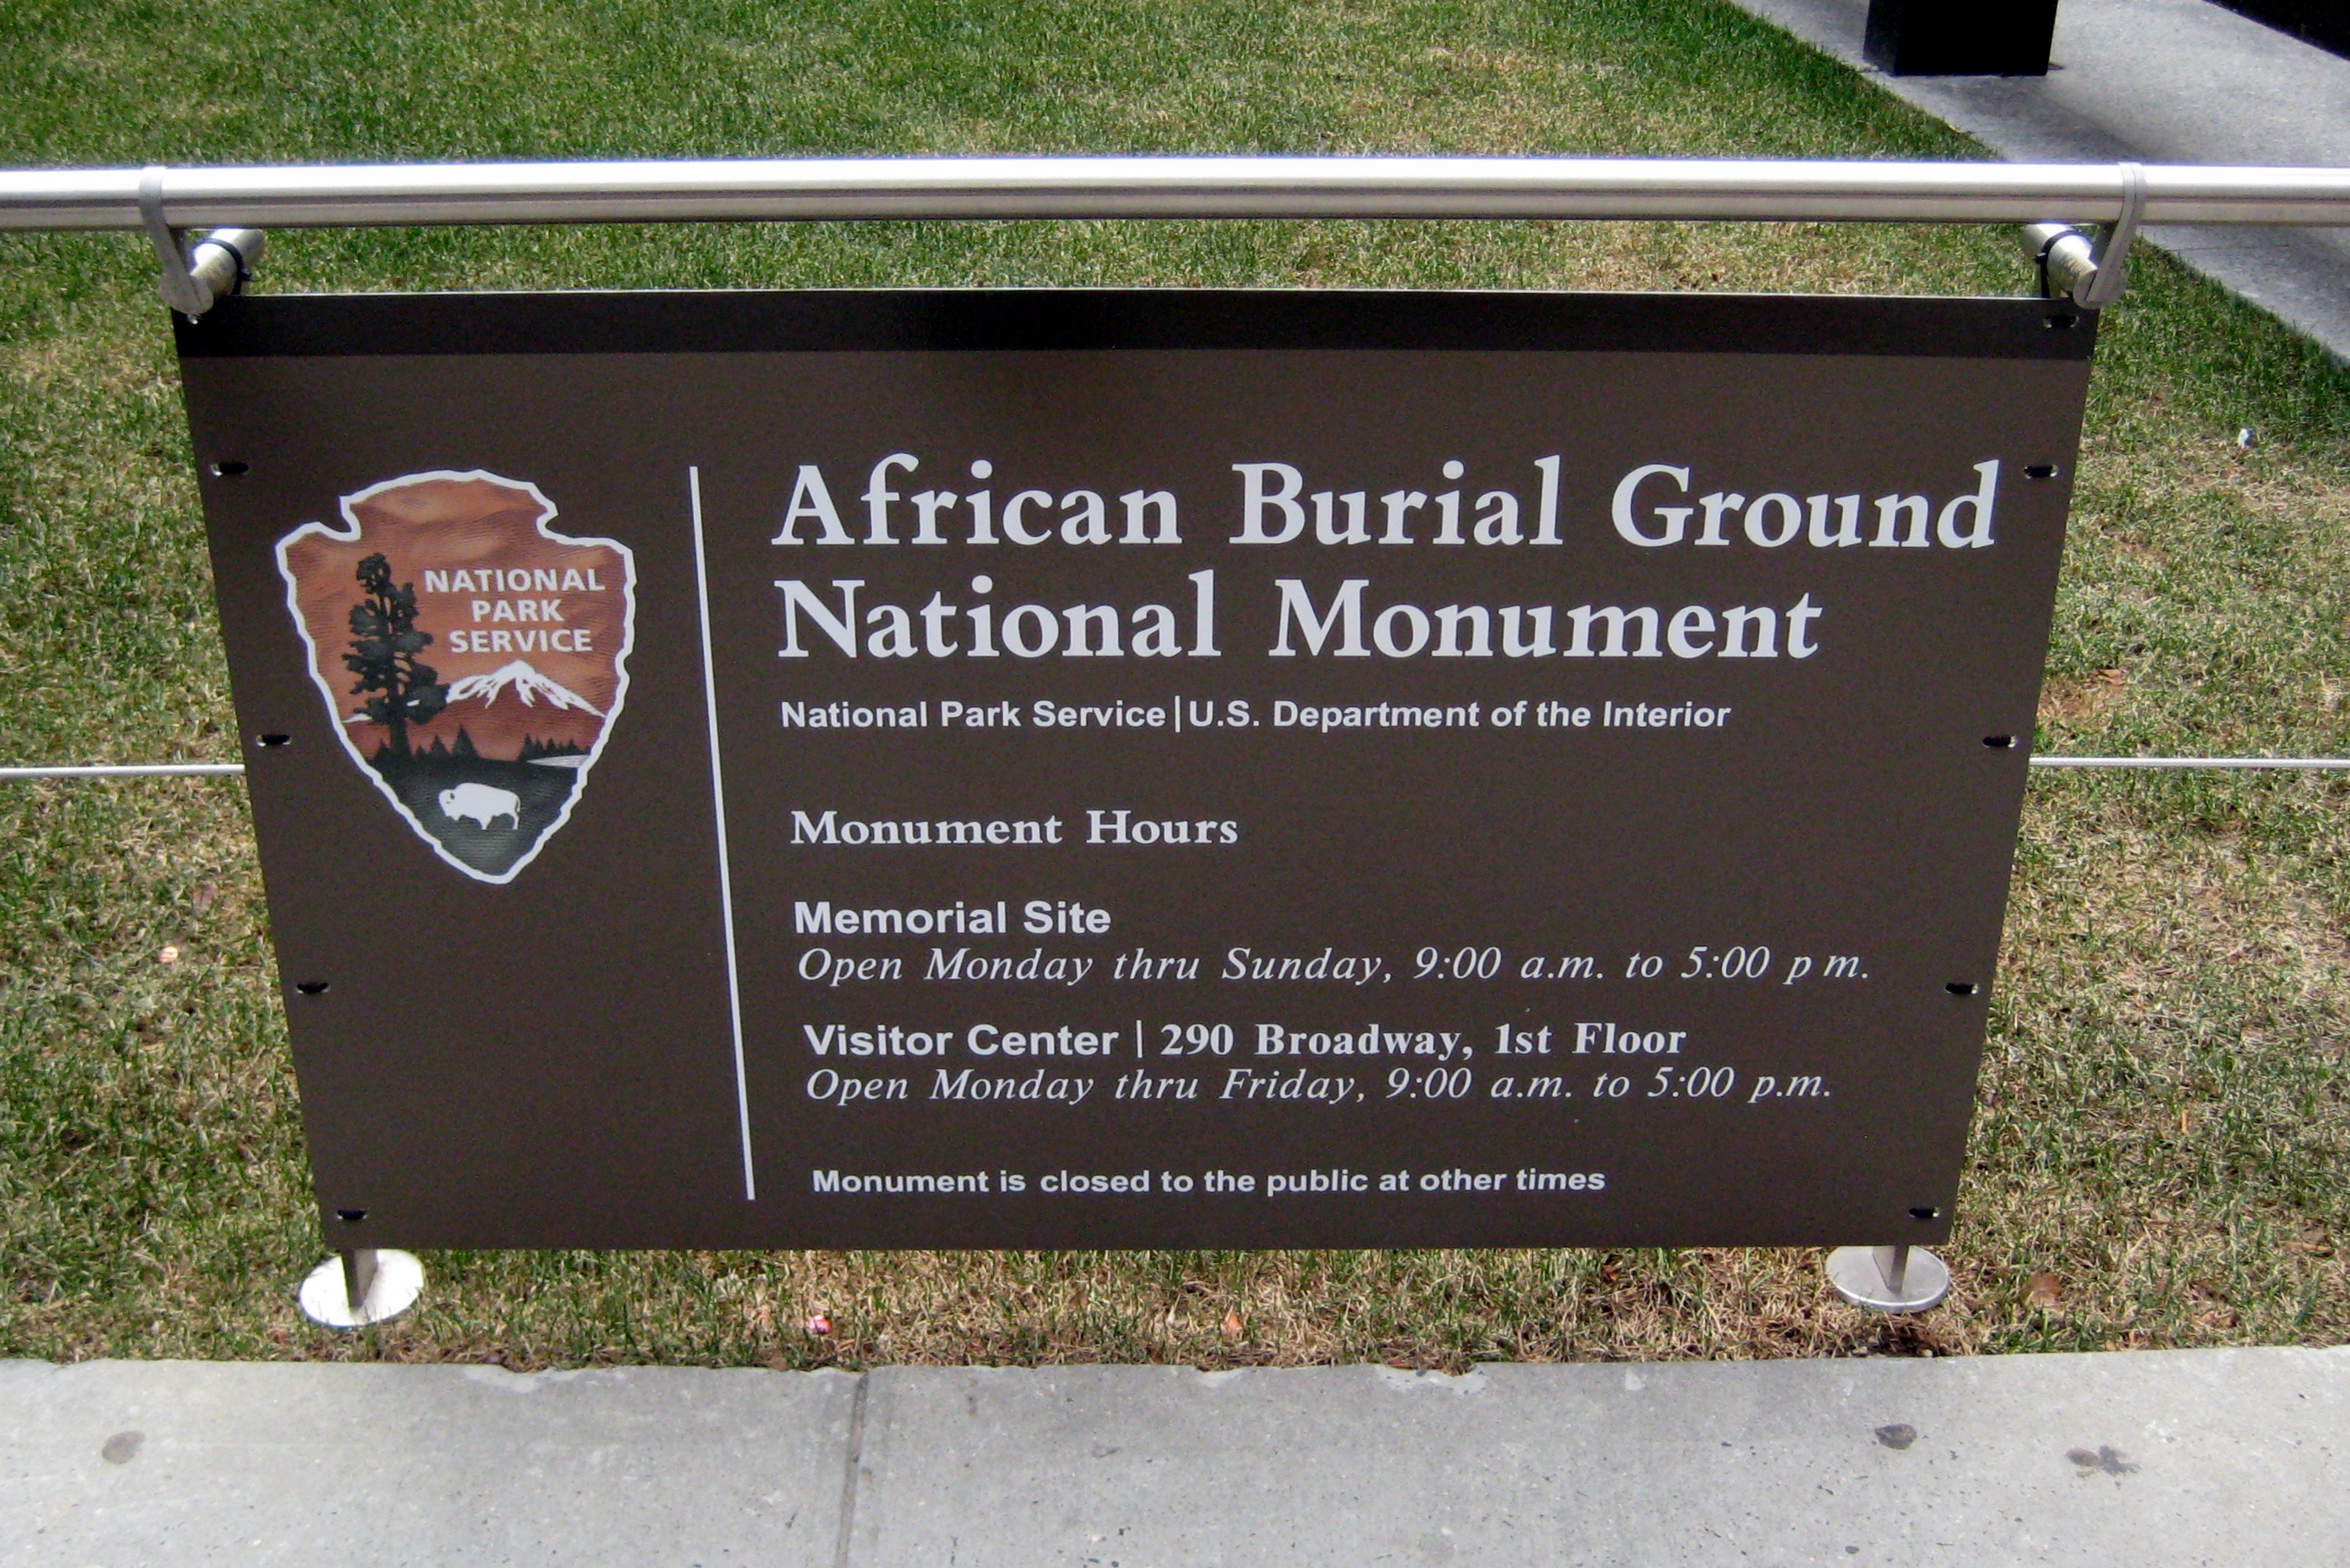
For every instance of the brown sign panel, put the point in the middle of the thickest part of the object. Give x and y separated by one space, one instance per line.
1197 769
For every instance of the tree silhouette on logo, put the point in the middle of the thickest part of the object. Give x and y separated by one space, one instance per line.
384 646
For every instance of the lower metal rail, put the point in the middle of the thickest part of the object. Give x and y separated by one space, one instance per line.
2171 765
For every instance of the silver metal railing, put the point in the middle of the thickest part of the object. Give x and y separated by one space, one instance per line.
128 771
240 204
2167 764
769 189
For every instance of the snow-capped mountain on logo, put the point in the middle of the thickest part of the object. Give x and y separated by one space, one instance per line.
512 711
528 684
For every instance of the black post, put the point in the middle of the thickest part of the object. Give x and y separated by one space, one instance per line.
1961 37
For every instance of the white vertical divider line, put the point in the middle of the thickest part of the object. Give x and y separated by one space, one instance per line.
718 810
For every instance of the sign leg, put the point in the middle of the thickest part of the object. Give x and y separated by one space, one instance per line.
358 1275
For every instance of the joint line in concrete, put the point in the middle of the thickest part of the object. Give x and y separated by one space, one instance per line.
844 1536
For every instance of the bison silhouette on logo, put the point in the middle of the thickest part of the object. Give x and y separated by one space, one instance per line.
482 803
472 658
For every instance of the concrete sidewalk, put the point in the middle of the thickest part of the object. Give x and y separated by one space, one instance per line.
2156 81
2158 1457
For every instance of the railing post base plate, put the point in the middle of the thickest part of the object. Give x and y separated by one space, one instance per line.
391 1288
1889 1279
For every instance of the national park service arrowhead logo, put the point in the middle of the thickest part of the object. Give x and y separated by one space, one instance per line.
472 659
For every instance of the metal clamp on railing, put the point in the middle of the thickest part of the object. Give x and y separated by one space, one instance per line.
2071 268
194 276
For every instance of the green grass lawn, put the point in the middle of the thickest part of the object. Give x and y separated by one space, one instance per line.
2158 1157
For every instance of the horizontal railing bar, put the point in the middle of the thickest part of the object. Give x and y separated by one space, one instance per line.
1172 187
2241 764
127 771
171 770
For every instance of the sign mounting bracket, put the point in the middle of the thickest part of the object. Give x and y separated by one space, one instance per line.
194 276
2112 275
2072 268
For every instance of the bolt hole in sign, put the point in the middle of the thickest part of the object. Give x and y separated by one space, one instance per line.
1130 769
